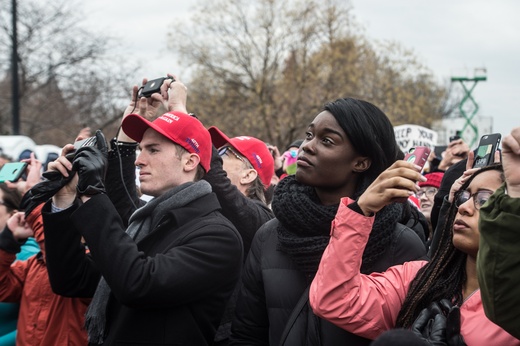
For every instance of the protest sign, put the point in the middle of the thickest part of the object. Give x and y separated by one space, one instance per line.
409 136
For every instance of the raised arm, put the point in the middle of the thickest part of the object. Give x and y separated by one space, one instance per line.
498 260
365 305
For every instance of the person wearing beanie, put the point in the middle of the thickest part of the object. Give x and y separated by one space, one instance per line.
166 277
426 194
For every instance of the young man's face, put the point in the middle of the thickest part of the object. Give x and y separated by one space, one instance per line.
160 167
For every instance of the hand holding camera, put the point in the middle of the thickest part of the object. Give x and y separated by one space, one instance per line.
158 96
456 151
91 164
154 86
87 142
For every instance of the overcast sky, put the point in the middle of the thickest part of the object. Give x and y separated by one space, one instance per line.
449 37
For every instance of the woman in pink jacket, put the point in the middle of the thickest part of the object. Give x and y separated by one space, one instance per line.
368 305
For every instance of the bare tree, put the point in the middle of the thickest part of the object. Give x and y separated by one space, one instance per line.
67 79
266 67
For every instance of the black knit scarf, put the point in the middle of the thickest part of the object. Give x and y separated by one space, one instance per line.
304 226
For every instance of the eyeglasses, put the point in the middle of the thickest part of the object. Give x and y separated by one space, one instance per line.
223 151
428 192
479 198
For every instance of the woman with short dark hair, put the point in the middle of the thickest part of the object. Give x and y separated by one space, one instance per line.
346 147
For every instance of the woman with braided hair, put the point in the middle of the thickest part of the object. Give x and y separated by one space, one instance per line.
345 148
439 300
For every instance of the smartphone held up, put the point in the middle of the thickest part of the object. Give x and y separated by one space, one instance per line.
485 153
87 142
455 137
153 86
12 171
418 155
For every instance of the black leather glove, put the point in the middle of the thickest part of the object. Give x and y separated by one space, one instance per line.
453 335
430 325
439 324
91 165
44 190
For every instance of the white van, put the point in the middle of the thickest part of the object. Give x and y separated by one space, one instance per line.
16 145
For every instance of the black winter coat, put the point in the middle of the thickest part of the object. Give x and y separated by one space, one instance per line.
272 286
168 289
246 214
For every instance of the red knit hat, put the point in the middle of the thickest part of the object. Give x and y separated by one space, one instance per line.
433 179
253 149
180 128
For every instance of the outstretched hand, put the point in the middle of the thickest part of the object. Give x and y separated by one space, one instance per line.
456 151
511 162
18 227
277 157
33 171
395 184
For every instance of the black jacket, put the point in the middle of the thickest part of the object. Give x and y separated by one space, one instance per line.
169 288
272 286
245 213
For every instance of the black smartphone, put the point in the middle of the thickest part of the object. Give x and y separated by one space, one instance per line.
454 138
153 86
12 171
457 136
486 150
87 142
418 155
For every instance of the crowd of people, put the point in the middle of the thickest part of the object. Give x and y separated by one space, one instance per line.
227 241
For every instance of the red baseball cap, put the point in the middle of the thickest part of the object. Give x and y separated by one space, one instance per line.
180 128
253 149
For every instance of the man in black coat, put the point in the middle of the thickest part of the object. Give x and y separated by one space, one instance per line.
167 277
241 171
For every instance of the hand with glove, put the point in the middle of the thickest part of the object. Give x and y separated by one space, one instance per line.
439 324
452 313
453 336
91 165
430 325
